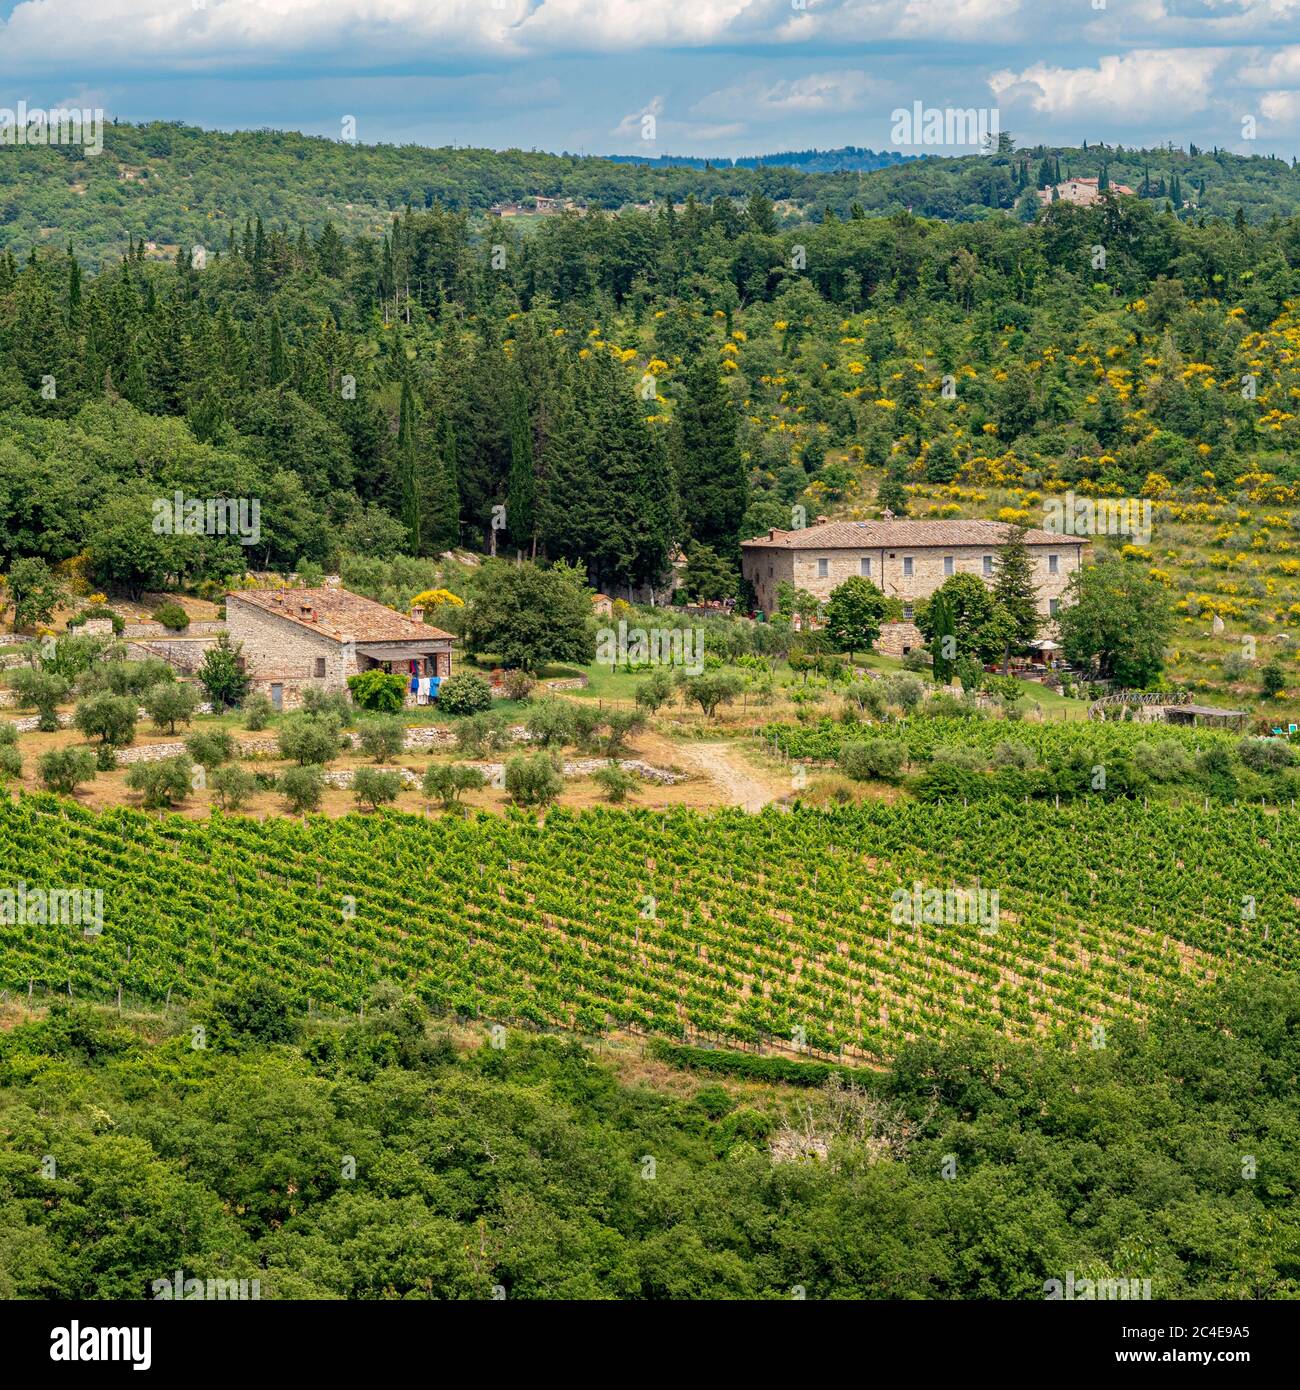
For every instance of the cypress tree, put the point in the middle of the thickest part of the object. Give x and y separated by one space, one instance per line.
443 510
713 481
330 253
277 360
407 463
942 626
623 494
261 275
567 504
1014 589
521 490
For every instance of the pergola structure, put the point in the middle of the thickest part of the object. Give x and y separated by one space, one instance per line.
1205 714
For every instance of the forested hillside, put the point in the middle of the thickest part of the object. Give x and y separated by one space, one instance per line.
377 1159
625 383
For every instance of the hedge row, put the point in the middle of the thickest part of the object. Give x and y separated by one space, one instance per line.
750 1065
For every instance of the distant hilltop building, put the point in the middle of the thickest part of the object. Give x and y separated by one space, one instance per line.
540 205
1081 192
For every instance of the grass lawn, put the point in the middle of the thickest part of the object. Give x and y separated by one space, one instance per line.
878 661
1054 704
603 683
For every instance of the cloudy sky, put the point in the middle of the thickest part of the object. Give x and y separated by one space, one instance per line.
718 77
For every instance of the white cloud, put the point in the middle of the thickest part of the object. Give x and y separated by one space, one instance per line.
816 92
1147 83
1281 109
654 131
1280 68
1192 21
955 19
727 66
137 32
140 33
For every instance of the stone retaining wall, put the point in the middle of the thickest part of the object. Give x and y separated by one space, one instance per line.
183 653
157 752
425 737
157 631
495 772
28 722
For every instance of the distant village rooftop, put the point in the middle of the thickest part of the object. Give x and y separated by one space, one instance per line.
1083 192
855 535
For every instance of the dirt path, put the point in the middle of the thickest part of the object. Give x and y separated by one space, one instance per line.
739 783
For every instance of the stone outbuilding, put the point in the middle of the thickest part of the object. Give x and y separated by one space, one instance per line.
291 639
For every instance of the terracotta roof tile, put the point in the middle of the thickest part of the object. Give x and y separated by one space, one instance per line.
898 533
338 614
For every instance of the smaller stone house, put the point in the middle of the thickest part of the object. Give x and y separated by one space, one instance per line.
291 639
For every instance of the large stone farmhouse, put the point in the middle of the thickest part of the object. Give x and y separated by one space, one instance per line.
906 560
291 639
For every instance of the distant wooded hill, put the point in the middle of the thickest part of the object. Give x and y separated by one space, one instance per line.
848 157
170 184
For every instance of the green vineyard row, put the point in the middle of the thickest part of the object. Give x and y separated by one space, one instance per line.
780 926
824 741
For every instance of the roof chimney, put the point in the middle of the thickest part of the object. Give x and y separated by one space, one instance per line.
417 612
308 612
771 533
822 520
887 514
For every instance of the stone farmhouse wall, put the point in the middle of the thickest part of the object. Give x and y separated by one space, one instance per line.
897 639
279 652
766 568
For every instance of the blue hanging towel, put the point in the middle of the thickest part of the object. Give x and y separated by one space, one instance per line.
434 683
415 682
